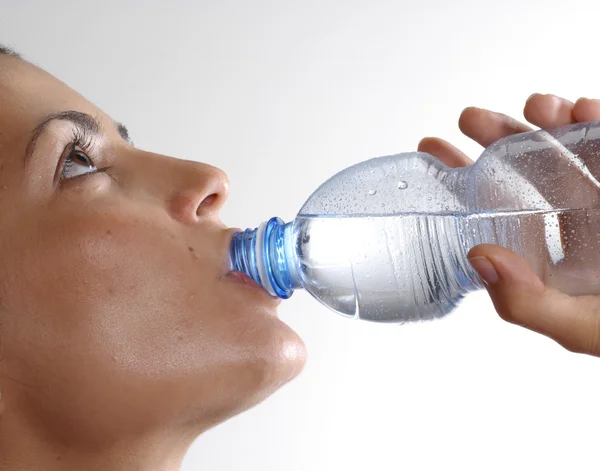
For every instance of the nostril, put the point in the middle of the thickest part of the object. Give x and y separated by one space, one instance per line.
206 203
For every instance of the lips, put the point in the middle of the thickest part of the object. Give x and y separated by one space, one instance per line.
241 278
236 275
245 282
227 266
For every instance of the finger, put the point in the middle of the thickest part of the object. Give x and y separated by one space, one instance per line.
486 127
444 151
520 297
548 111
586 109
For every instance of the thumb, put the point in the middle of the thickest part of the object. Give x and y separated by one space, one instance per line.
520 297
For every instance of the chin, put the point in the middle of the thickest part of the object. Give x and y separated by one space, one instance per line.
275 354
254 355
282 357
270 366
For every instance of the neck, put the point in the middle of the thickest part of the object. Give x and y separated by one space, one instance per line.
23 448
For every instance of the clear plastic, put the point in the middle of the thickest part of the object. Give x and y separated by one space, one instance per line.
387 239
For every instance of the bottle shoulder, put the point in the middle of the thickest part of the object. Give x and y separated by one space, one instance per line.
400 183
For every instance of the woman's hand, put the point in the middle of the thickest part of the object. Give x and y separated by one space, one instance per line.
518 294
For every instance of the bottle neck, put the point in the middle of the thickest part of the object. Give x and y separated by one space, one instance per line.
266 254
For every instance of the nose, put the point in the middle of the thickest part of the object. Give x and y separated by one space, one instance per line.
200 193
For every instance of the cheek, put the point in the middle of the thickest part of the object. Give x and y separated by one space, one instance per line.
106 286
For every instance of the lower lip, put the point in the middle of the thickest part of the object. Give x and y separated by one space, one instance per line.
244 279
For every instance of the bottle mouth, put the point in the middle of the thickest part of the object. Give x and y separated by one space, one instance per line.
242 254
259 254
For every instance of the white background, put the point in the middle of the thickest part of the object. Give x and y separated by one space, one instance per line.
283 94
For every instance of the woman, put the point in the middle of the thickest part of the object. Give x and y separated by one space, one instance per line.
123 335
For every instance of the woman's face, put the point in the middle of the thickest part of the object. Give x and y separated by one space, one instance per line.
117 313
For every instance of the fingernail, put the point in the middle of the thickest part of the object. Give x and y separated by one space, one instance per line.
593 100
485 269
532 95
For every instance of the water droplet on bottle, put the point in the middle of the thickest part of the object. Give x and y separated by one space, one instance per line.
402 185
372 192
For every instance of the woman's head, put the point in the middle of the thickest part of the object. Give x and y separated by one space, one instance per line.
117 314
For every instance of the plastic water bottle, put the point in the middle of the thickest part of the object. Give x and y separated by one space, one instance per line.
387 239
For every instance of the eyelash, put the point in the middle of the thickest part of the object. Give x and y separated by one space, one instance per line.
83 142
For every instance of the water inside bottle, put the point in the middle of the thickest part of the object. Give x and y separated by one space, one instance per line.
413 266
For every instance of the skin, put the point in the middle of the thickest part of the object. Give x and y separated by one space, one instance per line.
518 294
123 336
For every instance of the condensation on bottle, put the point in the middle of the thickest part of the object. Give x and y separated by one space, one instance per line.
387 239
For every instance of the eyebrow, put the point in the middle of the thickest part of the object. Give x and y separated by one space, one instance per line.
86 122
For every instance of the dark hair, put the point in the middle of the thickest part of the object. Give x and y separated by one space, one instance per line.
7 51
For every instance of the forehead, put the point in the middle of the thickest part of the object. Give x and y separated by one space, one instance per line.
27 95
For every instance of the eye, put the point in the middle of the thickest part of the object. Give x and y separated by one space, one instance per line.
76 164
